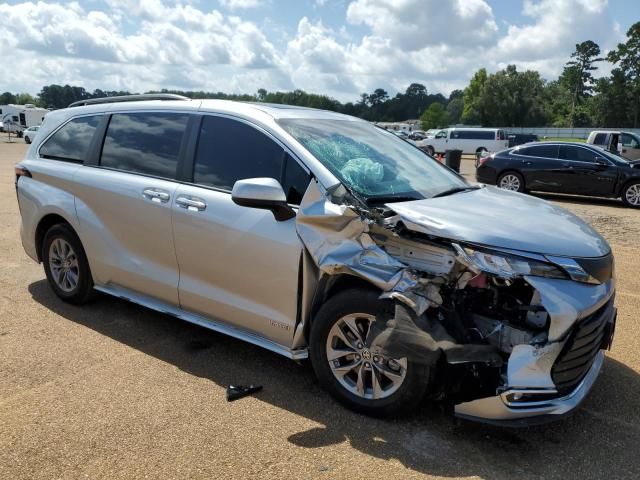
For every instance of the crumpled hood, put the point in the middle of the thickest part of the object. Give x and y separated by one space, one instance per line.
499 218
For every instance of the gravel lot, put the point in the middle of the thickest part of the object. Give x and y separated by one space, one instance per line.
113 390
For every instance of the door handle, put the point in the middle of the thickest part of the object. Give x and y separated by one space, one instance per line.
191 203
156 195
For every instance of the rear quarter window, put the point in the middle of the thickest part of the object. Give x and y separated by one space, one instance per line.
600 139
72 141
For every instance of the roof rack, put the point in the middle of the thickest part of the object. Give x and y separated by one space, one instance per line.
129 98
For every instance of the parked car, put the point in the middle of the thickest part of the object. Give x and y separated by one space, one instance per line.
469 140
306 232
626 144
30 133
516 139
417 135
401 134
573 168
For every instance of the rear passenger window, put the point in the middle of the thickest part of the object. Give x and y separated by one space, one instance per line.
543 151
229 150
146 143
71 143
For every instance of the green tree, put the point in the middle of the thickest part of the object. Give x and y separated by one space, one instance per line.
24 98
472 112
627 56
578 78
434 117
6 98
609 107
512 98
455 107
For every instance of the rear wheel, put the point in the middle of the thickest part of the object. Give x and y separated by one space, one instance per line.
631 194
65 265
511 181
353 372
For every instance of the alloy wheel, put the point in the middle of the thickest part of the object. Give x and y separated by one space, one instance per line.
510 182
359 370
63 263
633 195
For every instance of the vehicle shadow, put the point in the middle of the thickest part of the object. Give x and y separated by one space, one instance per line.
598 441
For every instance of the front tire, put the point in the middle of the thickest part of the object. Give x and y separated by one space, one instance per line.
66 265
430 150
631 194
362 379
27 140
511 181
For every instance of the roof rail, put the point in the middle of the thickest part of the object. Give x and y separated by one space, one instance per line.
129 98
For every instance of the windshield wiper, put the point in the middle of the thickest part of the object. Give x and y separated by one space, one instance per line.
392 199
451 191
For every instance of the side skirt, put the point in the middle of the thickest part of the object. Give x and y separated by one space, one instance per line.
215 325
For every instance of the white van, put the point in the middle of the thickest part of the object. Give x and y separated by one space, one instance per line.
469 140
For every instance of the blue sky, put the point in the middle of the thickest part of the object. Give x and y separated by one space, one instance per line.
336 47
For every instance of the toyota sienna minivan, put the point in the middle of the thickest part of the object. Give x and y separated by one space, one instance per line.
318 235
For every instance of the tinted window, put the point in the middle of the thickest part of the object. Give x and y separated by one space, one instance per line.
72 141
600 139
544 151
476 134
147 143
229 150
295 181
569 152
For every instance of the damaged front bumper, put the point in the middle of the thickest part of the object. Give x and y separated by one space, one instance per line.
548 382
502 410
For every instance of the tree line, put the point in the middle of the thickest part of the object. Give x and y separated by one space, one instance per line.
506 98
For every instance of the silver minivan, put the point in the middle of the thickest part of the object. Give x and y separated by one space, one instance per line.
317 235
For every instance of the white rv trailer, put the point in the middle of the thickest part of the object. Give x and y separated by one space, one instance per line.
17 118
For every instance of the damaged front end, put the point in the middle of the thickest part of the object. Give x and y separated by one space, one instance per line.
510 335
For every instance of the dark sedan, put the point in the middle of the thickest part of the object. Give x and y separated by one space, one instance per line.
563 167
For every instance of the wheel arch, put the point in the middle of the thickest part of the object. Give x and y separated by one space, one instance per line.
330 285
44 225
626 183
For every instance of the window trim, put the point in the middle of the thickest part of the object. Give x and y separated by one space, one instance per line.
62 125
190 160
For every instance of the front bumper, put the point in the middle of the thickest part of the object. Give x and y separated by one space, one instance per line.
546 383
499 410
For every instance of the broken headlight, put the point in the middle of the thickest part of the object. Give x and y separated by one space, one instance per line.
507 266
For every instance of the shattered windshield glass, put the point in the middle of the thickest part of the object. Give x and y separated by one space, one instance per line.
374 163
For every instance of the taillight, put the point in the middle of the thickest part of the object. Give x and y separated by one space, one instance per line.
484 160
21 172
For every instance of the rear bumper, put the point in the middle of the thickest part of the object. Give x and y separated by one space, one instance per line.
499 410
486 174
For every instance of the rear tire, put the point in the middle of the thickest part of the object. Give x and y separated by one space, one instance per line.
511 181
631 194
66 265
367 379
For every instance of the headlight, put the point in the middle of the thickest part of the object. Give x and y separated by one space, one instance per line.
507 266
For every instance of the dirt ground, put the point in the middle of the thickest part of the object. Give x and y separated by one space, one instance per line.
113 390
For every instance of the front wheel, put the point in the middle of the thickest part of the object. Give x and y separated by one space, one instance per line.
353 372
27 140
631 194
511 181
431 151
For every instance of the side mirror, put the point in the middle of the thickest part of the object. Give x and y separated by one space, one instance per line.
265 193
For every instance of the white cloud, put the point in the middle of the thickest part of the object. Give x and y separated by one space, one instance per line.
139 45
415 24
240 4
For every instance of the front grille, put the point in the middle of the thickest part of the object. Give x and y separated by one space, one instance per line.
583 345
600 268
